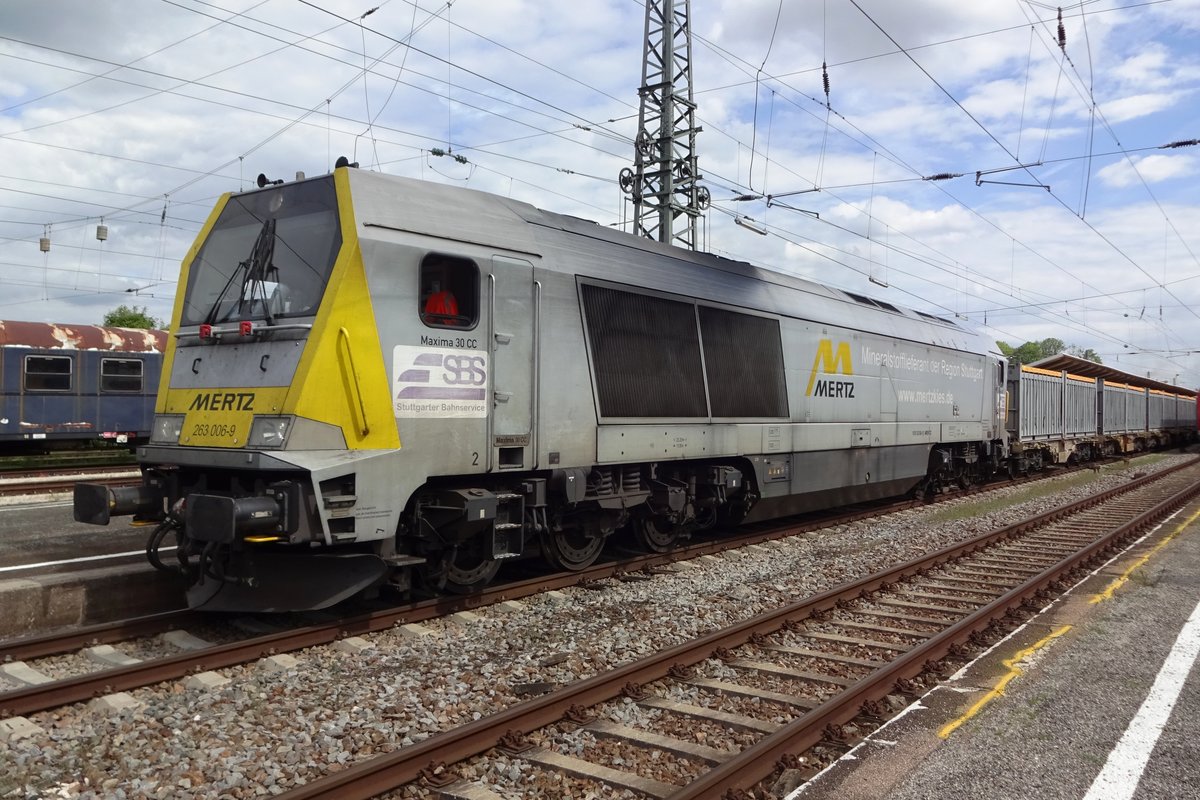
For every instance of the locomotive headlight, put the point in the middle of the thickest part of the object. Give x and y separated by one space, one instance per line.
167 428
269 432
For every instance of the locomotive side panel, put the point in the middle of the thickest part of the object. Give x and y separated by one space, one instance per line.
439 374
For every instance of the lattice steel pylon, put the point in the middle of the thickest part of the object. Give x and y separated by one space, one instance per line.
667 200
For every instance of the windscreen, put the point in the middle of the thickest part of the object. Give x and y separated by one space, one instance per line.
268 256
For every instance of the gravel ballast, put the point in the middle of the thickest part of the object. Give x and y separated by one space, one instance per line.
268 731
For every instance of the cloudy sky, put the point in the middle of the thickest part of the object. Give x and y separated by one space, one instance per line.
1066 212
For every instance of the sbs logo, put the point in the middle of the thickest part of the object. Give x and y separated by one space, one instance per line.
464 370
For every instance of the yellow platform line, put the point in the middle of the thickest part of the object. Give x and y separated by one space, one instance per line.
998 689
1014 671
1119 582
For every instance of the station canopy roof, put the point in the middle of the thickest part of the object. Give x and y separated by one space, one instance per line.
1090 369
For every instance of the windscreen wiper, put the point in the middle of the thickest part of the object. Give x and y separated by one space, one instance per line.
261 253
258 268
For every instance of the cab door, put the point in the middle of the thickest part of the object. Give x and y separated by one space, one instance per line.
514 319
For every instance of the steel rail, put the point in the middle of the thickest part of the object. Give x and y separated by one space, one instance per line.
81 688
759 761
53 644
43 645
385 773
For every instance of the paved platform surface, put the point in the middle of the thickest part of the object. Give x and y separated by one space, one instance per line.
1088 711
40 592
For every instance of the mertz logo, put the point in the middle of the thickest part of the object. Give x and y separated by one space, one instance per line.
831 362
223 401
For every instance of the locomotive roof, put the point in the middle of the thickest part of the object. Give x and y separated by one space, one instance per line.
1090 369
53 336
587 248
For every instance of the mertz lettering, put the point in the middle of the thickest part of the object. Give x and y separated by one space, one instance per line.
836 389
223 401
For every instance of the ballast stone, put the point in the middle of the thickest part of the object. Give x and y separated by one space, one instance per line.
508 606
14 729
108 656
280 663
24 674
115 703
353 645
185 641
205 680
412 630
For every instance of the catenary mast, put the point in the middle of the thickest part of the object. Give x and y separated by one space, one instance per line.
663 182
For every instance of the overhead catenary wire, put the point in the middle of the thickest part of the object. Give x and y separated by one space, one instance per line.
565 166
983 127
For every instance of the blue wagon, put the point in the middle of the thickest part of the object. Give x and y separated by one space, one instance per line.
62 385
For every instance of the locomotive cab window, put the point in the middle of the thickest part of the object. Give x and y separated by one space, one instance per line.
120 375
47 374
449 292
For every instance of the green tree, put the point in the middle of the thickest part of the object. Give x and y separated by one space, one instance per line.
1036 351
124 316
1029 353
1050 347
1089 353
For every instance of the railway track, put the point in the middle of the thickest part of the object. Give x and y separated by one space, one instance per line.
830 663
599 736
49 480
236 646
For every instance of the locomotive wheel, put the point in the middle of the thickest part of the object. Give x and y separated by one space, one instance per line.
705 519
655 534
466 573
571 549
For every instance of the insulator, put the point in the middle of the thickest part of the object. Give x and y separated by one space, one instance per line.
825 78
1062 31
942 176
102 232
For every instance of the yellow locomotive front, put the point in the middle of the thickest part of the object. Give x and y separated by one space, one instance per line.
271 394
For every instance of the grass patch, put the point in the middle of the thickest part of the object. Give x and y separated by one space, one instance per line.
100 455
973 508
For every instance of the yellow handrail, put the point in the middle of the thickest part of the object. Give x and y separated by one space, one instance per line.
361 416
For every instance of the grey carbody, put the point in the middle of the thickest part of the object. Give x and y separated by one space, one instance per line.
1060 412
919 380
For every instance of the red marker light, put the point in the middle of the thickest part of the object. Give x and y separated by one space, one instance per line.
205 331
246 328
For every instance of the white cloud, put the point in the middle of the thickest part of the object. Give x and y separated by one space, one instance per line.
1139 105
1151 168
947 246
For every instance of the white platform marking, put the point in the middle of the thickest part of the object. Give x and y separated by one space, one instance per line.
82 559
1127 761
